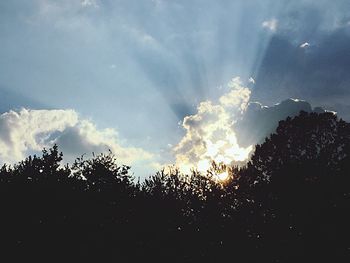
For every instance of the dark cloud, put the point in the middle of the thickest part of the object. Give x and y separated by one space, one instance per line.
318 74
260 121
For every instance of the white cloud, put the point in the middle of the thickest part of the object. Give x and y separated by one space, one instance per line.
227 131
304 45
210 133
89 3
238 97
251 80
224 132
270 24
29 131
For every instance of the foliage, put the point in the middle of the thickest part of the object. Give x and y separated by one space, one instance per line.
290 203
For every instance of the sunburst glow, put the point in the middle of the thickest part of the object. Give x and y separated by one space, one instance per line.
211 132
223 176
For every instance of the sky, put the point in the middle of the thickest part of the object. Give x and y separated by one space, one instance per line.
166 82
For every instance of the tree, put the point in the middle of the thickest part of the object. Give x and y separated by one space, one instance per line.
310 139
298 179
290 203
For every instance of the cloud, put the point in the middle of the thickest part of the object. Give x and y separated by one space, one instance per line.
238 96
84 137
270 24
141 37
210 133
304 45
27 131
319 75
226 132
251 80
66 15
260 121
89 3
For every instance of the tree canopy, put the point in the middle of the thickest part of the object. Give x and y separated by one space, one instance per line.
290 203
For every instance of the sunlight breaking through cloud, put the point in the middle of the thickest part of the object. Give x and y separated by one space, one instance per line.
210 134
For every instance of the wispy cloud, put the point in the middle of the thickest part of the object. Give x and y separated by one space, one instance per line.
89 3
270 24
251 80
304 45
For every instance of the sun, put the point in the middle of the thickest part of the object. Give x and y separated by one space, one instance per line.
223 176
220 171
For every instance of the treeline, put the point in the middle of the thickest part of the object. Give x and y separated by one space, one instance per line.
290 203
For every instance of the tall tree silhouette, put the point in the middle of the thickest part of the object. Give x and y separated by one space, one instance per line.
299 182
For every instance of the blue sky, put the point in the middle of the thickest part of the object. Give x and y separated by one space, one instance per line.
139 68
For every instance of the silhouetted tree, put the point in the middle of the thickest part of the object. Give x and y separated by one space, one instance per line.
290 203
297 181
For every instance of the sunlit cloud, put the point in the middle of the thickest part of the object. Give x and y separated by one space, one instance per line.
210 134
237 97
226 131
168 56
29 131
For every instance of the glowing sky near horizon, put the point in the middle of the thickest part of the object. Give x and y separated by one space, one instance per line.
134 72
